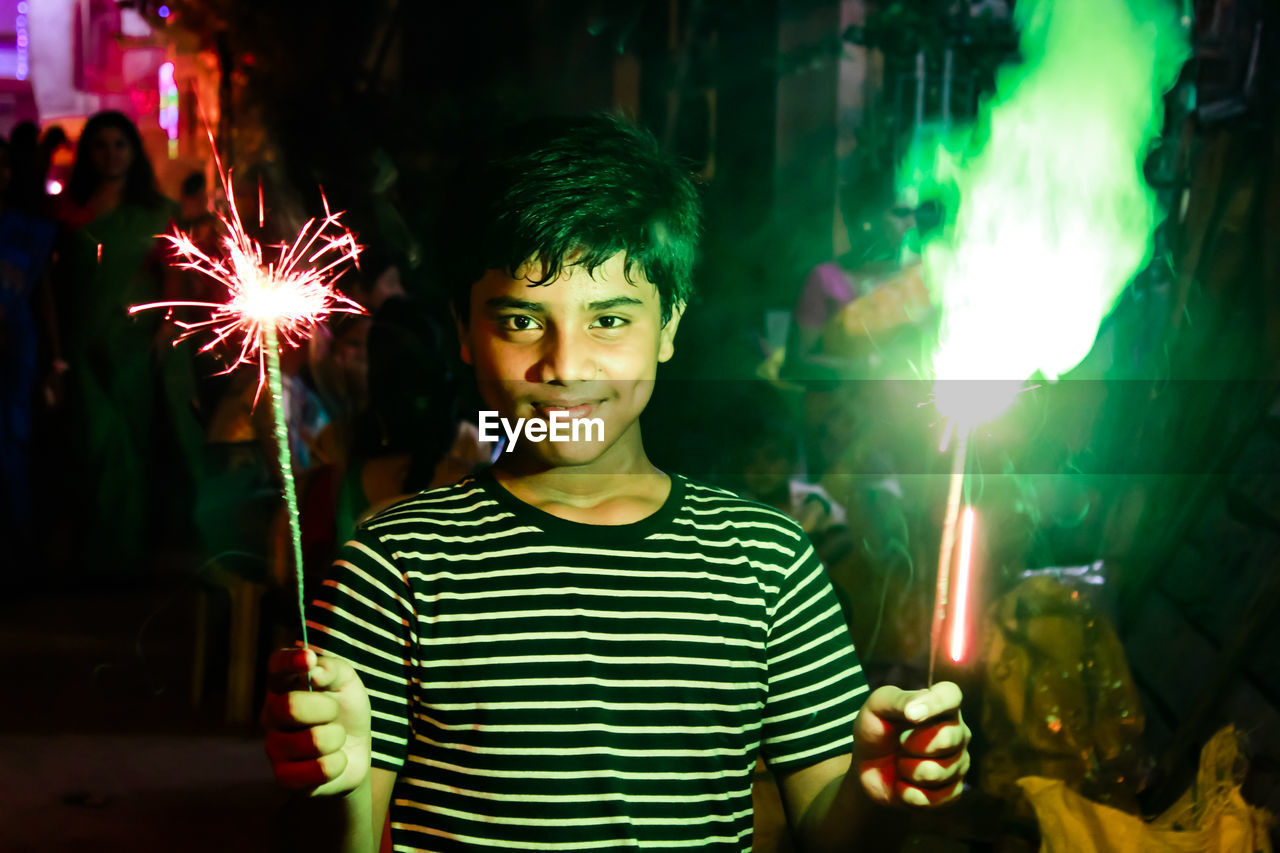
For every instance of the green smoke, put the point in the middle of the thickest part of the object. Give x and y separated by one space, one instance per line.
1054 216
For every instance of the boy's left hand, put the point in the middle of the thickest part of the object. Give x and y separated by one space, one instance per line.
910 746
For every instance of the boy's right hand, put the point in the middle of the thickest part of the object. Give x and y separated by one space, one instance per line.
319 740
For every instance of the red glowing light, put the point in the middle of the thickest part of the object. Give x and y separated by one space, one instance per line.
960 616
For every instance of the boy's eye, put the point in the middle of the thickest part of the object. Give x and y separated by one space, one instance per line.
517 322
611 321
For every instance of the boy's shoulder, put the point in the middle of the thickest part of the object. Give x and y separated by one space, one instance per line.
701 491
440 505
705 499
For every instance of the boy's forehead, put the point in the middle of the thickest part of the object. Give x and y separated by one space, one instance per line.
574 284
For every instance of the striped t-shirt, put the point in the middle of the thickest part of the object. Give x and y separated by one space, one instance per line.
541 684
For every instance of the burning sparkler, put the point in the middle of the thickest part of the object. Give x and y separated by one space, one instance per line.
268 303
1054 217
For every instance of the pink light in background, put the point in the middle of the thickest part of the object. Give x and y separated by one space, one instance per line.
169 107
20 29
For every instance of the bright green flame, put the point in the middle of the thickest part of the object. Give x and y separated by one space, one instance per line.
1054 215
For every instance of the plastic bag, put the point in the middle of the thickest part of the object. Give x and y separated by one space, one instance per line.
1059 701
1211 817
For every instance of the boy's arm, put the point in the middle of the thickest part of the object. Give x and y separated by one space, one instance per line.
341 824
825 806
381 784
355 823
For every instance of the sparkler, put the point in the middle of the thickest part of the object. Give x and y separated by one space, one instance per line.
269 303
947 550
1052 216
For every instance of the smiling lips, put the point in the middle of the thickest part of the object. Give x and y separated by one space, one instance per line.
573 410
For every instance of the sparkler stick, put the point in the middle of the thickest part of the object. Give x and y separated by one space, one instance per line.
960 612
948 546
286 466
268 304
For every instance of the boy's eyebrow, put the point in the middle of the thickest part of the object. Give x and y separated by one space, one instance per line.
615 302
510 302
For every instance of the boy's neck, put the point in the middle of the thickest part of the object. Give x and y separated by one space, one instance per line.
622 487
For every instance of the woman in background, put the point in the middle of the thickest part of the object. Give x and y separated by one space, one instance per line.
109 259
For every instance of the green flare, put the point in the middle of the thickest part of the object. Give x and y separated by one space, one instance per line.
1054 215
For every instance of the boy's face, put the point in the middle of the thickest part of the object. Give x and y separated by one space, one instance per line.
588 345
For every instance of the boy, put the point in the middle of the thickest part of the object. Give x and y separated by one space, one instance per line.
577 650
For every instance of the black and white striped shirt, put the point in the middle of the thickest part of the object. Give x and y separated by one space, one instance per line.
542 684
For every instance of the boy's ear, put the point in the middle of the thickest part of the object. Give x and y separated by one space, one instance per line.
464 349
667 337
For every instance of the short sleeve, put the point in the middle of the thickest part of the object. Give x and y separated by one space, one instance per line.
816 684
364 614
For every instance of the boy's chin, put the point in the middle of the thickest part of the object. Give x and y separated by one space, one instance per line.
565 454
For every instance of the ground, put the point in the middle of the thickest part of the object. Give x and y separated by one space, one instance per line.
100 748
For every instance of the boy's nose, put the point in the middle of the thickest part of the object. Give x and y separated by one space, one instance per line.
566 358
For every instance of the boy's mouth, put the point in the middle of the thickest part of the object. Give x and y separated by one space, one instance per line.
571 409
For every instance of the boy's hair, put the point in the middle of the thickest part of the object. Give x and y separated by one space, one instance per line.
573 191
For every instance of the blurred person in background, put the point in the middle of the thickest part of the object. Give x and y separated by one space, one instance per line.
25 243
386 386
31 155
109 259
25 188
877 224
194 379
398 370
52 140
198 222
828 355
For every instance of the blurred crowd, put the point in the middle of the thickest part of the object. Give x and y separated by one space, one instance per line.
118 445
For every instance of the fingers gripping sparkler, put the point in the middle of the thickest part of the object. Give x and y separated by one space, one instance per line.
268 304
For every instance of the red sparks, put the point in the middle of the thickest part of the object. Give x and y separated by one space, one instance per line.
293 293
